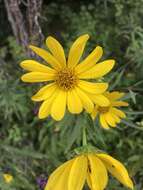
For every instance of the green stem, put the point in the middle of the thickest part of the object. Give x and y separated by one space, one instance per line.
84 138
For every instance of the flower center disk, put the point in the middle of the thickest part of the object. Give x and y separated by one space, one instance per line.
66 79
103 109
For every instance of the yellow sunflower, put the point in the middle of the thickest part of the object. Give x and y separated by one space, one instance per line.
91 168
67 79
110 116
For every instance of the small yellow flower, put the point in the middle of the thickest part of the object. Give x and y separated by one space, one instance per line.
67 79
110 115
91 168
8 178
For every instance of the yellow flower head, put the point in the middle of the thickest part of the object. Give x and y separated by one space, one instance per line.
110 116
91 168
67 79
8 178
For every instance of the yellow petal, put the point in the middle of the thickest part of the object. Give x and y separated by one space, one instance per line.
94 113
86 101
89 182
116 169
76 50
93 88
57 50
7 177
119 103
90 60
46 56
99 99
116 118
59 105
74 102
109 119
32 65
45 92
115 95
118 112
103 122
58 180
37 77
99 70
45 107
97 173
78 173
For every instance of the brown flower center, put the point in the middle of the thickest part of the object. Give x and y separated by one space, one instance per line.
103 109
66 79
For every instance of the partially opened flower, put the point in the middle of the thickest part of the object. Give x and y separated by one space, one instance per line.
91 168
67 80
110 116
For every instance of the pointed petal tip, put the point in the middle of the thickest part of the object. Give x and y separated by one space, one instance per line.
23 78
113 62
31 46
130 184
86 36
40 116
22 64
126 104
35 99
56 118
49 38
99 48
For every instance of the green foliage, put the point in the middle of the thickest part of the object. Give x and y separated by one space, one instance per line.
30 147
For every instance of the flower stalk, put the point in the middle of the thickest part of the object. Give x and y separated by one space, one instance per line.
84 137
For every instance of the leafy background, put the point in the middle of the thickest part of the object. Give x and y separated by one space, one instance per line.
31 148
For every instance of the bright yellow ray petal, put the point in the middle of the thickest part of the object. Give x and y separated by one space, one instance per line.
103 122
44 93
99 99
73 102
116 169
93 88
90 60
76 50
57 50
119 103
86 101
58 180
37 77
115 95
32 65
89 182
116 118
46 56
97 173
118 112
59 105
109 119
99 70
78 173
45 107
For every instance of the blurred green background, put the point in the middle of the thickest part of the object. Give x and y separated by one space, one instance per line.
31 148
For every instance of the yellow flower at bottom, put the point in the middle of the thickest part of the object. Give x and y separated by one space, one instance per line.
67 84
8 178
110 116
91 168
